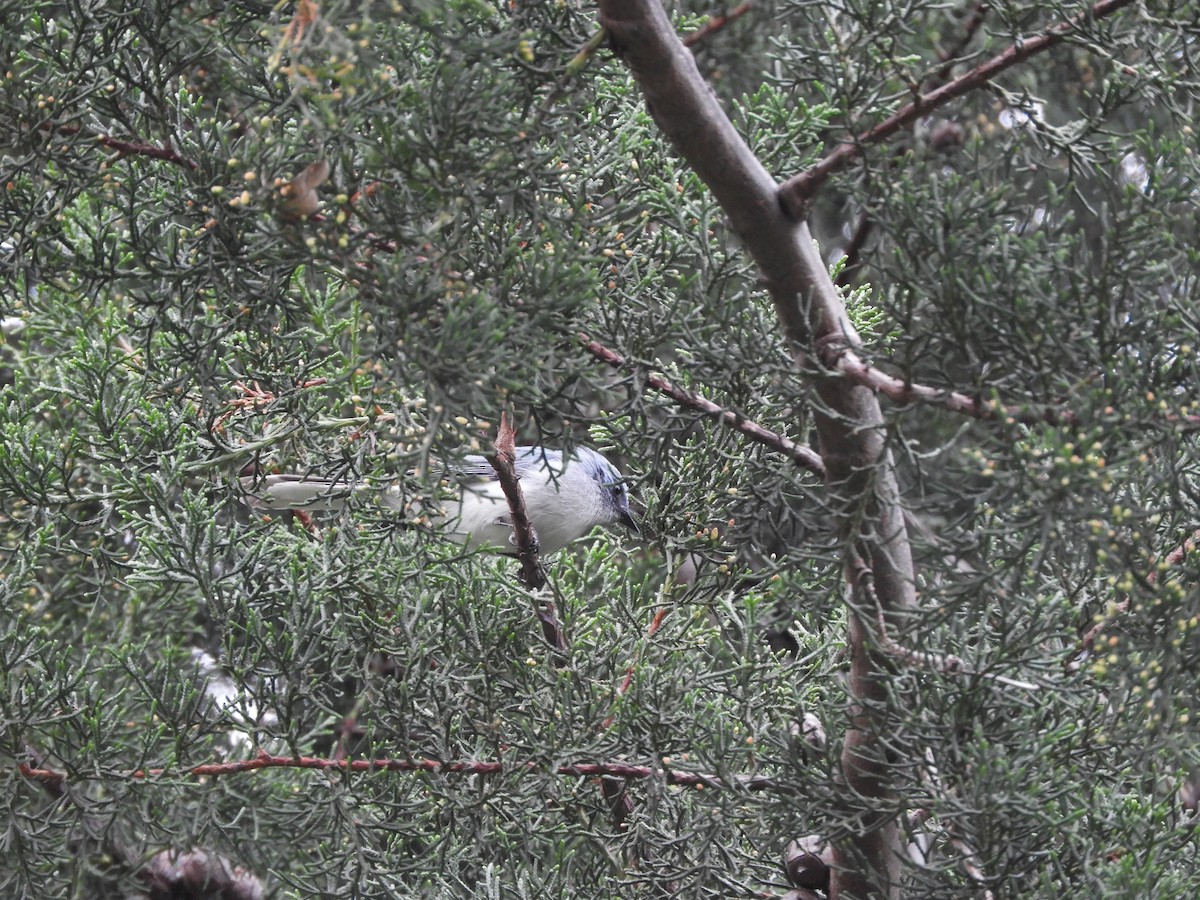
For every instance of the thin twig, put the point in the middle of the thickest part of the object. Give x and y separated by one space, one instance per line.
967 853
716 23
853 250
950 56
132 148
128 148
841 359
864 226
796 191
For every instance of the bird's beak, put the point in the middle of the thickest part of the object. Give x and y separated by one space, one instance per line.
625 517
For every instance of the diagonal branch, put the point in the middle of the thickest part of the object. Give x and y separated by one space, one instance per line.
532 574
504 462
796 191
802 456
126 147
133 148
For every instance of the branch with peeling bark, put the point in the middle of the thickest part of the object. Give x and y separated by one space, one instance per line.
796 192
504 462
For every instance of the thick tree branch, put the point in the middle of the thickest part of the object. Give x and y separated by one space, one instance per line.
797 190
863 490
802 456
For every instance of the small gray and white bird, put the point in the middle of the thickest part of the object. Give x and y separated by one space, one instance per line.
566 497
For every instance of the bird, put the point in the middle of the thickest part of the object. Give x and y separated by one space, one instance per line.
566 496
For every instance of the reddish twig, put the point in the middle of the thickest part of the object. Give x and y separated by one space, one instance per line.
124 147
532 575
716 23
504 462
804 456
796 191
625 684
842 360
131 148
463 767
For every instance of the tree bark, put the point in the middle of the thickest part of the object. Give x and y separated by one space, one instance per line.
849 422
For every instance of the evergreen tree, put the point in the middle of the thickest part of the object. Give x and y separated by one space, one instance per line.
914 611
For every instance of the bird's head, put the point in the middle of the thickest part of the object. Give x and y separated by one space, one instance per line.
614 495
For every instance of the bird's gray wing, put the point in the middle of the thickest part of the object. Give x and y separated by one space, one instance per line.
528 459
473 468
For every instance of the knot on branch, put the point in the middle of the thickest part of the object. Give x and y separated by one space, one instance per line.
832 347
